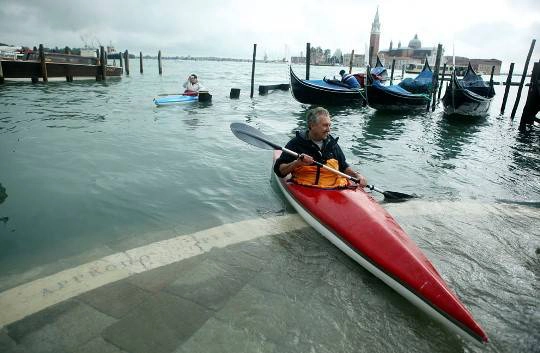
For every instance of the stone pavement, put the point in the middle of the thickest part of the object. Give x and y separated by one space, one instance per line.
290 292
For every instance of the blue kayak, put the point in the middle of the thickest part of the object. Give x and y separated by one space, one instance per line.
175 99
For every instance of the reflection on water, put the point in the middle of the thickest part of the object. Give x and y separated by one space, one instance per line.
384 125
3 194
451 135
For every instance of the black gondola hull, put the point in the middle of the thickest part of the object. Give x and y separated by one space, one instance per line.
310 93
470 96
463 102
382 99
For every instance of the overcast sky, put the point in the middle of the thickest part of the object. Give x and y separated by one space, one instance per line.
500 29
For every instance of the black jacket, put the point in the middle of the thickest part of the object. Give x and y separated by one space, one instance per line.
301 144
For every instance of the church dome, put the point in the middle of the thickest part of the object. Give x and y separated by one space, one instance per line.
415 42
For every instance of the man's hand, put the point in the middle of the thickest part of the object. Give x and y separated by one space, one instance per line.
362 181
305 159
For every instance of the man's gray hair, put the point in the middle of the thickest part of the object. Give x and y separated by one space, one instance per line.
313 115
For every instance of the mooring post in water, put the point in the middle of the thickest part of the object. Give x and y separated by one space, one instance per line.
308 59
392 72
159 62
532 105
491 76
435 79
121 60
507 88
35 79
1 73
204 96
253 69
350 62
43 64
442 81
103 63
402 71
522 80
69 77
126 58
235 93
140 62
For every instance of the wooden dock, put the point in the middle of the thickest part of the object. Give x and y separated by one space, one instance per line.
46 65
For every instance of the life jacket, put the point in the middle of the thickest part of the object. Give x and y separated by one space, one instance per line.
313 175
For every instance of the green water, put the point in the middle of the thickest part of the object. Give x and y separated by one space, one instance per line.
88 168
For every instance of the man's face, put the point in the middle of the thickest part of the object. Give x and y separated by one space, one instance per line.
320 129
192 79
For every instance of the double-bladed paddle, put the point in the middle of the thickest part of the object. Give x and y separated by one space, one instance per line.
256 138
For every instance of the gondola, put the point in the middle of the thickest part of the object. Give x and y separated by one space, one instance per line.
423 83
324 92
470 96
396 97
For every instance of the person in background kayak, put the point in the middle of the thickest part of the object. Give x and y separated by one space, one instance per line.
192 86
316 144
349 80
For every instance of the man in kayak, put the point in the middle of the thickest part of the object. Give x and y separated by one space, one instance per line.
349 80
316 144
192 86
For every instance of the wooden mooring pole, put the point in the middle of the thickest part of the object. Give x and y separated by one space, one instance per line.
522 80
436 78
159 62
491 76
351 61
69 77
532 105
121 60
43 64
103 63
442 81
35 79
507 88
1 73
392 72
253 70
126 58
140 62
308 59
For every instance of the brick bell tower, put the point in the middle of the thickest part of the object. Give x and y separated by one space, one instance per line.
374 39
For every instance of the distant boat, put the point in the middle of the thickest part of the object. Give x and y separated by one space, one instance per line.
470 96
324 92
417 68
409 95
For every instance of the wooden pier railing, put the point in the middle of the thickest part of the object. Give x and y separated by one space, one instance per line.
45 65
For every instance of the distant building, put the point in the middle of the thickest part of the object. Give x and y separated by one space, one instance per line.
414 53
481 66
374 39
88 52
359 60
298 59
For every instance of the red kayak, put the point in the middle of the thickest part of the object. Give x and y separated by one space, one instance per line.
354 222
